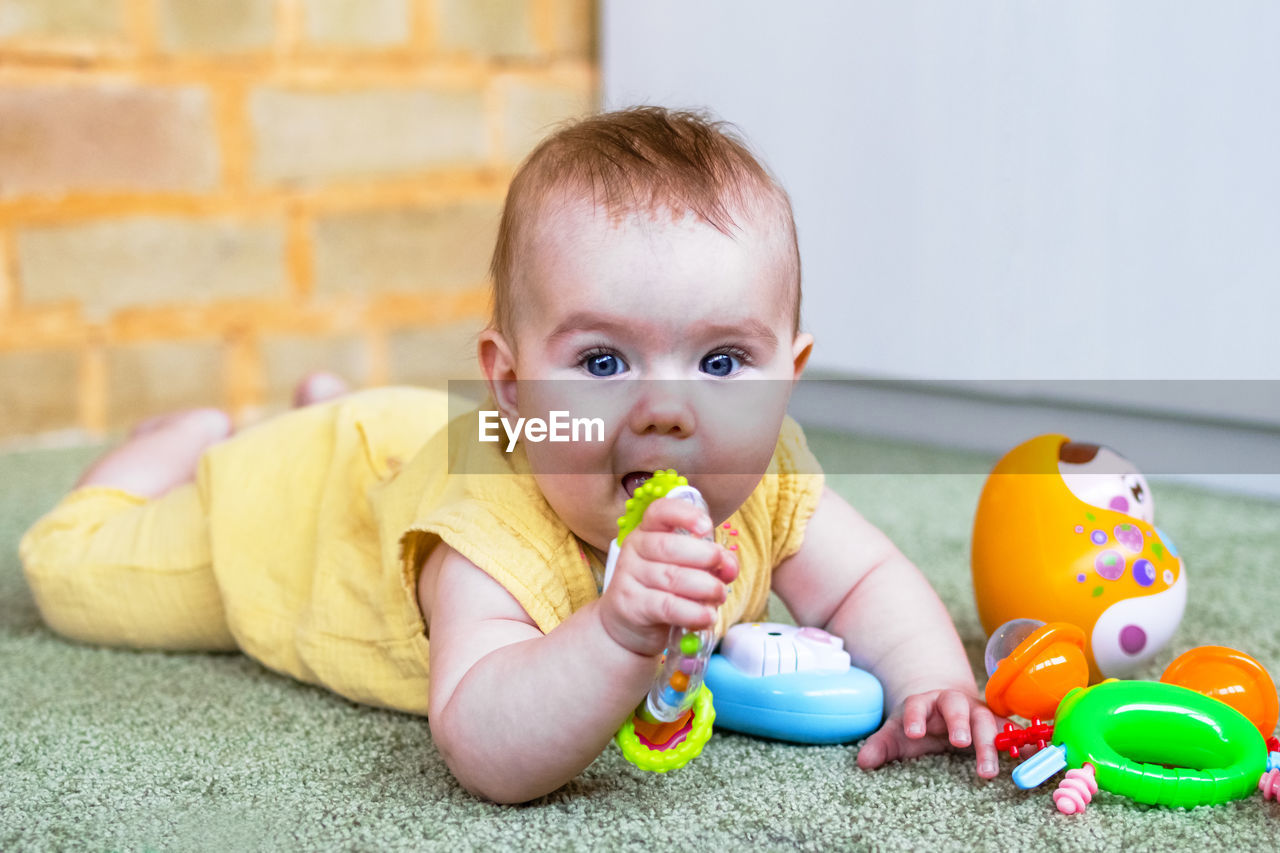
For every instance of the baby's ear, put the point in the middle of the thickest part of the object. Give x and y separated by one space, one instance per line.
498 363
800 351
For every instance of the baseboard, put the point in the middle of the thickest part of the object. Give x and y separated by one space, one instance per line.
1219 452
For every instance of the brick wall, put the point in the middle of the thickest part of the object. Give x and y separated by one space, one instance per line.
200 201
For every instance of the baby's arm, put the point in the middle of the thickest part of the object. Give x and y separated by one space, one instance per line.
517 713
851 580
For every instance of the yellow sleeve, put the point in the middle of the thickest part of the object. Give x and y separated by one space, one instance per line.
491 512
506 529
770 525
797 489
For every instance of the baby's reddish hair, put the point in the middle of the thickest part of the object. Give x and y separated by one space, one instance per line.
643 160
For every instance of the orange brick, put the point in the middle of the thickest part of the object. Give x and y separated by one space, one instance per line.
573 28
8 291
61 19
408 249
55 326
216 26
497 28
38 391
150 379
364 24
305 137
61 139
151 261
533 108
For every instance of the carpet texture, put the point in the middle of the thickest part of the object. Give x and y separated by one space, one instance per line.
102 749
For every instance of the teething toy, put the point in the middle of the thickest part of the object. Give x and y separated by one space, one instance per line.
772 680
1164 743
1152 742
1032 666
674 721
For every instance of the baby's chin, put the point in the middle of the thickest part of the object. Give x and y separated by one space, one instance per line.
595 534
588 505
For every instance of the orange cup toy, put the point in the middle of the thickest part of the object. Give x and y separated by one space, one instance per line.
1063 533
1032 666
1230 676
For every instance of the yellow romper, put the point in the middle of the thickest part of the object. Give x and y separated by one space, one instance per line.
302 539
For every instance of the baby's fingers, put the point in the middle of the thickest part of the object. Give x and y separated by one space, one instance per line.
875 750
985 727
915 715
889 744
666 515
692 584
664 608
657 547
955 707
673 549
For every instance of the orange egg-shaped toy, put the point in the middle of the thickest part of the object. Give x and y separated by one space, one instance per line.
1063 533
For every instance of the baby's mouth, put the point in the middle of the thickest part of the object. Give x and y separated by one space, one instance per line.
635 480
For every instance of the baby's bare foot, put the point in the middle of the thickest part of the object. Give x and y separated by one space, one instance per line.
161 453
213 422
319 387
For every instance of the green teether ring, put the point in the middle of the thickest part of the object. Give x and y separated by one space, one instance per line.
650 490
662 760
1161 743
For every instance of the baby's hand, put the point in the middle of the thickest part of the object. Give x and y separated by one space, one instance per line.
928 722
663 578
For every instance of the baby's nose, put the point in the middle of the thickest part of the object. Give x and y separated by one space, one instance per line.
664 408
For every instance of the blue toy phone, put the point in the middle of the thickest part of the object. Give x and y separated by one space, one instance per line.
795 684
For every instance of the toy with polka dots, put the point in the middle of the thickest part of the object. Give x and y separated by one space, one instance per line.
674 721
1065 532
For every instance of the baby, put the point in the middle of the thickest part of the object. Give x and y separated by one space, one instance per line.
649 263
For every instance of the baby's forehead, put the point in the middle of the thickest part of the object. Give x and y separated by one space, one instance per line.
573 226
634 263
753 216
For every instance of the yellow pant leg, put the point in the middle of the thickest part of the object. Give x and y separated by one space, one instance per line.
111 568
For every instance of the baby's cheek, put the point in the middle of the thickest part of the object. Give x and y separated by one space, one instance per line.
742 432
726 493
577 449
584 503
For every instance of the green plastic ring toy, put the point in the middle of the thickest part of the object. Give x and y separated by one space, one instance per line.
1161 743
659 760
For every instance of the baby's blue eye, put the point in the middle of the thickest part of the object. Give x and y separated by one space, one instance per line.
604 364
720 364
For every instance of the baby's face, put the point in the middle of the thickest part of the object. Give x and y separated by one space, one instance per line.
657 328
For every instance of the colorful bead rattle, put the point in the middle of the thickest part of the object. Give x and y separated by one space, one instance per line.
673 723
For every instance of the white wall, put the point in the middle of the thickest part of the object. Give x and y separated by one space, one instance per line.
1002 189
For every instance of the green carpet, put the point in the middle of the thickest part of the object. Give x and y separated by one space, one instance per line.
116 750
